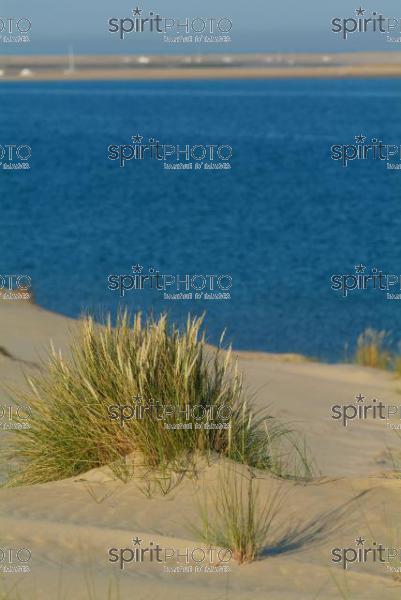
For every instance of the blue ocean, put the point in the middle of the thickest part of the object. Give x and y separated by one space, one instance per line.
280 222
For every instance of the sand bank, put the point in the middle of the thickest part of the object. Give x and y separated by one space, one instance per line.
70 525
193 67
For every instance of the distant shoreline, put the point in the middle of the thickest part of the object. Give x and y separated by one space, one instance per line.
200 67
376 71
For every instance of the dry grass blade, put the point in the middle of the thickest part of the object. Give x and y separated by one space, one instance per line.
71 430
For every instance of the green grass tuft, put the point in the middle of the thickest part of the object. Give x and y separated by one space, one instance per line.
240 520
71 431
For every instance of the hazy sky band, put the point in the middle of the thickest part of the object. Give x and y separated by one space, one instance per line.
258 26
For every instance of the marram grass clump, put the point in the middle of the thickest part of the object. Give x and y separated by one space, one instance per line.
74 399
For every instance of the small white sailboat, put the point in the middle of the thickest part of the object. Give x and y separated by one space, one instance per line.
71 62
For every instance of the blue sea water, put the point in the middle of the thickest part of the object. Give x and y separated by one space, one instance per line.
280 222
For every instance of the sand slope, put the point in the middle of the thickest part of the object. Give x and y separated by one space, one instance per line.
70 525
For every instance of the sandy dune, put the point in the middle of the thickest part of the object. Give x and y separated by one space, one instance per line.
70 525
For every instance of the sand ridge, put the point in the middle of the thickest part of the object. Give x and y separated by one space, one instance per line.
69 525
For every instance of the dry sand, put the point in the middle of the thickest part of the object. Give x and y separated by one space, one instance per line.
70 525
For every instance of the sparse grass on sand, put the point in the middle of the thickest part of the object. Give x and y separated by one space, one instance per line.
241 521
371 350
71 430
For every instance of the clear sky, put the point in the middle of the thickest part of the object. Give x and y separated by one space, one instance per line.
258 25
